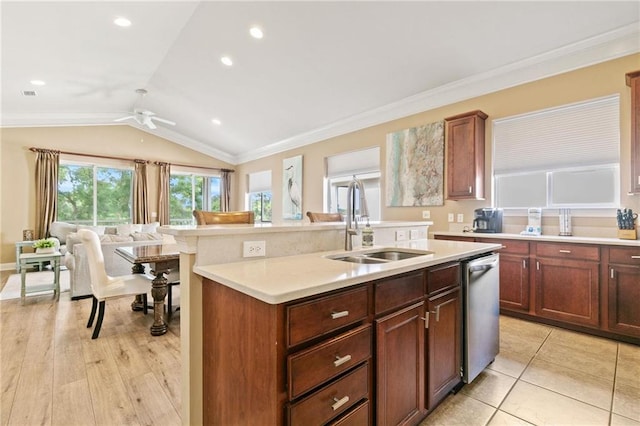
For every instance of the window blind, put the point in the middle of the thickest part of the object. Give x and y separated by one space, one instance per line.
354 163
575 135
260 181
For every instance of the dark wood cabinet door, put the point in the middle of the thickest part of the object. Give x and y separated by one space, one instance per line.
514 282
568 290
624 299
444 345
400 364
465 156
633 80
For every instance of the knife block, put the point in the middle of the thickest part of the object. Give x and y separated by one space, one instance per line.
627 234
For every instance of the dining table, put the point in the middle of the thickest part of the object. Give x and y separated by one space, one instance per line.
162 259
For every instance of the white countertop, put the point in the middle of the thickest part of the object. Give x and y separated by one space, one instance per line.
282 279
545 238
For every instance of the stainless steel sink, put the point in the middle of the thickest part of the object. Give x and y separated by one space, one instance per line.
381 256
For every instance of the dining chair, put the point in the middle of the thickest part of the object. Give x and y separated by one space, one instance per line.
325 217
222 218
104 287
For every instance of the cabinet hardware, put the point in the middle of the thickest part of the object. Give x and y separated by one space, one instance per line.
537 265
635 257
437 312
470 189
524 263
504 247
638 180
339 402
612 273
341 314
341 360
426 320
564 251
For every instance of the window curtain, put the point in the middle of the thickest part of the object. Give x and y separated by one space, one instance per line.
225 190
47 162
163 193
140 193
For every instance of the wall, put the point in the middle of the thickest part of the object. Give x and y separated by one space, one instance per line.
17 174
591 82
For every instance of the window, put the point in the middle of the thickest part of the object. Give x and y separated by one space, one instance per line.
189 192
259 195
341 168
564 157
94 195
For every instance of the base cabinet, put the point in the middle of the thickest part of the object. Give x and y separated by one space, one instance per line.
514 274
400 367
624 290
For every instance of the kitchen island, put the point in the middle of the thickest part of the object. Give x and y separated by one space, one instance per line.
290 340
206 248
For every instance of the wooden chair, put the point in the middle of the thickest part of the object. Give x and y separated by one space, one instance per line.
221 218
105 287
325 217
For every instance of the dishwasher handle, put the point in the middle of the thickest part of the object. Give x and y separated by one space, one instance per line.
478 266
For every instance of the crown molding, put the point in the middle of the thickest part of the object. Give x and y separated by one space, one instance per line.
604 47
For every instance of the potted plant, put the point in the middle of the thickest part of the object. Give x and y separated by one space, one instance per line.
45 246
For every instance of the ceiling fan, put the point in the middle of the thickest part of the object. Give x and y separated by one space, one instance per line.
145 117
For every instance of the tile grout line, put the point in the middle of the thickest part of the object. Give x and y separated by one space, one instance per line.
613 389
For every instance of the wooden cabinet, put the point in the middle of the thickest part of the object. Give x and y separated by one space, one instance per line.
624 290
514 274
465 156
567 283
633 81
400 362
443 321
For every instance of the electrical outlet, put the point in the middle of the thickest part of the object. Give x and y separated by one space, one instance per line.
450 217
401 235
426 214
460 218
253 248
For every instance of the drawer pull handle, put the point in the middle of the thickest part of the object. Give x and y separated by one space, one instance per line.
426 320
341 314
339 402
341 360
564 251
635 257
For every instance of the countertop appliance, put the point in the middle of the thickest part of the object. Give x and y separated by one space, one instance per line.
487 219
481 314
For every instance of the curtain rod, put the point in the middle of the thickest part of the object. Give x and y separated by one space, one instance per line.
109 157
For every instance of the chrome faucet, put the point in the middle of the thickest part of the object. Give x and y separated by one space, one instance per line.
350 229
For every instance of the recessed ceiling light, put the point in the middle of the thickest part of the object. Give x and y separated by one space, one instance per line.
256 32
216 122
122 22
37 82
226 60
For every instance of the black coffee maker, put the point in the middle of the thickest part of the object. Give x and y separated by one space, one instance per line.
488 220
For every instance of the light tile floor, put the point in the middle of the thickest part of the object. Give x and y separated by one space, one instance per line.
549 376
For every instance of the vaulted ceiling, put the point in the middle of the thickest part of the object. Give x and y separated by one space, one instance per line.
320 70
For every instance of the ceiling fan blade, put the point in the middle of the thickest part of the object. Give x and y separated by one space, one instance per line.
147 122
124 118
162 120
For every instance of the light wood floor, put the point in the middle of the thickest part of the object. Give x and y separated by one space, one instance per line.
52 373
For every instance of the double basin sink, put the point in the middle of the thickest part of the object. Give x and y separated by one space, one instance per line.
384 255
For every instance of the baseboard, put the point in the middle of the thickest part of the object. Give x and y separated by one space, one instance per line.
8 266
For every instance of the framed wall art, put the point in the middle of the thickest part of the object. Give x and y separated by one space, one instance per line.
292 188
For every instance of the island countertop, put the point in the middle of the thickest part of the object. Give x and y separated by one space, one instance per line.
281 279
542 238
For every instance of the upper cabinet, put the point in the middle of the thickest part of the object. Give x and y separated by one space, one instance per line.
633 81
465 156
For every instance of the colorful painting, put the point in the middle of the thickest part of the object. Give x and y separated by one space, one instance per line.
292 188
415 166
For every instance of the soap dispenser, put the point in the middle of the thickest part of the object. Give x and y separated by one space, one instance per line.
367 235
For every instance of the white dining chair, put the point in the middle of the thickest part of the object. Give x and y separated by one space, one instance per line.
105 287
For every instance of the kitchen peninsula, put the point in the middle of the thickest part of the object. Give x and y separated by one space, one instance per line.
259 292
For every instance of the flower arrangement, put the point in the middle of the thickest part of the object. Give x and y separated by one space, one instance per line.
45 243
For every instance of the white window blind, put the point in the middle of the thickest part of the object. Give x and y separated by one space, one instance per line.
260 181
582 134
354 163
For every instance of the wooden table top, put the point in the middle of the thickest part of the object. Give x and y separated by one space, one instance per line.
150 253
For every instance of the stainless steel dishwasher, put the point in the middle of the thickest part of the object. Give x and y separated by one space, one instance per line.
481 310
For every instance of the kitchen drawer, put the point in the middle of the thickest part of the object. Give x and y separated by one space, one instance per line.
321 316
624 255
397 292
332 400
568 251
442 277
311 367
359 416
509 246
